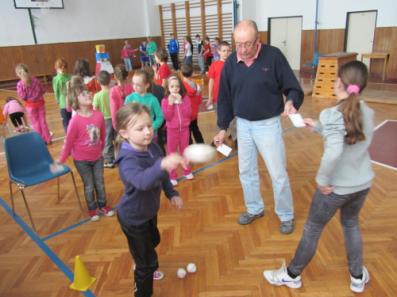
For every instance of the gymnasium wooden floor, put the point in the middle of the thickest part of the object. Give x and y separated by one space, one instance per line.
230 258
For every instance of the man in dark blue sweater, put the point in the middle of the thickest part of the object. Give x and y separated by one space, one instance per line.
253 82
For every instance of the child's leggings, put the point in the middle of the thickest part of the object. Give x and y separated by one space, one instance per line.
38 121
178 138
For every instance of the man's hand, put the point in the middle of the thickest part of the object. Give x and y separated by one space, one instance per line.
289 108
219 138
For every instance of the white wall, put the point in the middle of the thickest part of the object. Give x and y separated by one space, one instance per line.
332 14
80 20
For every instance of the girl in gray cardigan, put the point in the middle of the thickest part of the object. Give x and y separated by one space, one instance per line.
343 179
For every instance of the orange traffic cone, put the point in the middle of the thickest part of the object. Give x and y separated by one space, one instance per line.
82 280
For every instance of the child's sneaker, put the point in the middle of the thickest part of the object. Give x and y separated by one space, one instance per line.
358 285
189 176
280 277
108 164
158 275
174 182
107 211
93 215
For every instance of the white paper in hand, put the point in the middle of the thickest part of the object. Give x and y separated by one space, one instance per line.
224 149
297 120
199 153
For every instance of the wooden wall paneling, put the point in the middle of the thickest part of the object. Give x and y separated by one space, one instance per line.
161 24
181 27
385 41
227 21
40 58
187 16
202 9
331 41
307 47
173 15
220 18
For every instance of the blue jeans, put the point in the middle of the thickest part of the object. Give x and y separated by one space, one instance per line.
322 209
127 64
91 173
108 150
265 137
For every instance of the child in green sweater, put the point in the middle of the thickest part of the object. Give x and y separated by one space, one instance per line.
59 86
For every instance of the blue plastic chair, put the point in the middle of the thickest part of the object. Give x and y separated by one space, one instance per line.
28 162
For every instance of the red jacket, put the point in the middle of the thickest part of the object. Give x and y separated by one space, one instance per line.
194 94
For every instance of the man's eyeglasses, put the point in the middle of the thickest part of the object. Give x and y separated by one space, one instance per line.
249 44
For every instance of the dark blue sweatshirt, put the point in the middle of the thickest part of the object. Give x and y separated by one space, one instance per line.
256 93
143 180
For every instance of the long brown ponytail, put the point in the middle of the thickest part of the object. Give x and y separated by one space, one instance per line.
354 78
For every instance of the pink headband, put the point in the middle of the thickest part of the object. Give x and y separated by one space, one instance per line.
353 89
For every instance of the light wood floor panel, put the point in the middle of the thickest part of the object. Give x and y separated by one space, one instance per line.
230 258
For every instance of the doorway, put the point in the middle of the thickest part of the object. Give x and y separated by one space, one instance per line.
360 32
286 34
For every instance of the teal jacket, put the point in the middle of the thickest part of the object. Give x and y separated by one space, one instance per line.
152 103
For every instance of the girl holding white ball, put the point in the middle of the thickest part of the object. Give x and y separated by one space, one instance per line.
143 170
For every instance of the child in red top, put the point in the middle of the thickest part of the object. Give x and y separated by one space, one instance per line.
85 140
177 113
214 74
193 91
207 52
119 91
162 72
82 68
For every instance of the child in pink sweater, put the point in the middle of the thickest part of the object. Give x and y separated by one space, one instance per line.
15 110
177 112
31 91
85 139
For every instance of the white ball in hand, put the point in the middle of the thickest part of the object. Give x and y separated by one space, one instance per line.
191 268
181 273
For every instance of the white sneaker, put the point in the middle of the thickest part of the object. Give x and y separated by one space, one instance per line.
174 182
189 176
358 285
280 277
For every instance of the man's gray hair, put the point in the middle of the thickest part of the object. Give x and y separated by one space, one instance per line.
250 23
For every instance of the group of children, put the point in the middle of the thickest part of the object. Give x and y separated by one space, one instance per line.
137 112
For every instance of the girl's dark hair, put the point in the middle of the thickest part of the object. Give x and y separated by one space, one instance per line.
353 73
120 72
74 87
82 68
125 115
162 54
182 90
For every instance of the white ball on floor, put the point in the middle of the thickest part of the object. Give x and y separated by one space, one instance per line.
191 268
181 273
210 107
199 153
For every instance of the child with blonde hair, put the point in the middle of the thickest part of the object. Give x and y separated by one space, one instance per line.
31 91
85 140
143 170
